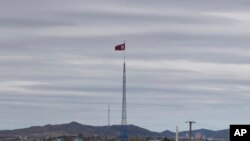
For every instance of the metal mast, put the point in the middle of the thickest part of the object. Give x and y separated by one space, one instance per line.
108 114
177 134
124 136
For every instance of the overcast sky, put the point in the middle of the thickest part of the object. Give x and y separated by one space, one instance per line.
186 60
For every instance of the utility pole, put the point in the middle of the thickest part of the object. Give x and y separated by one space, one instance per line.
190 129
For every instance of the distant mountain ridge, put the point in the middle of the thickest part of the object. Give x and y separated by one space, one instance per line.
219 134
74 129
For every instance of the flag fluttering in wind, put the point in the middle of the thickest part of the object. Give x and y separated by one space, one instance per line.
120 47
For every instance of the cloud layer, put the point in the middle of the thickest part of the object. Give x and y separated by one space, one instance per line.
185 60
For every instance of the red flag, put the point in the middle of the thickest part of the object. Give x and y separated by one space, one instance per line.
120 47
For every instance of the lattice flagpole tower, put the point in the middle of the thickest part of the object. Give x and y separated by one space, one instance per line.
123 135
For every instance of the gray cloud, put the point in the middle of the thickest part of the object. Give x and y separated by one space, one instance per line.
185 59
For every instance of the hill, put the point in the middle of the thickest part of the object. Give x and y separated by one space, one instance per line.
220 134
74 129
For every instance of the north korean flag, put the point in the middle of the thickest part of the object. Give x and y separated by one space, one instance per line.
120 47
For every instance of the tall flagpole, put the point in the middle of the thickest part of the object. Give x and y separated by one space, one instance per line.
124 53
124 136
